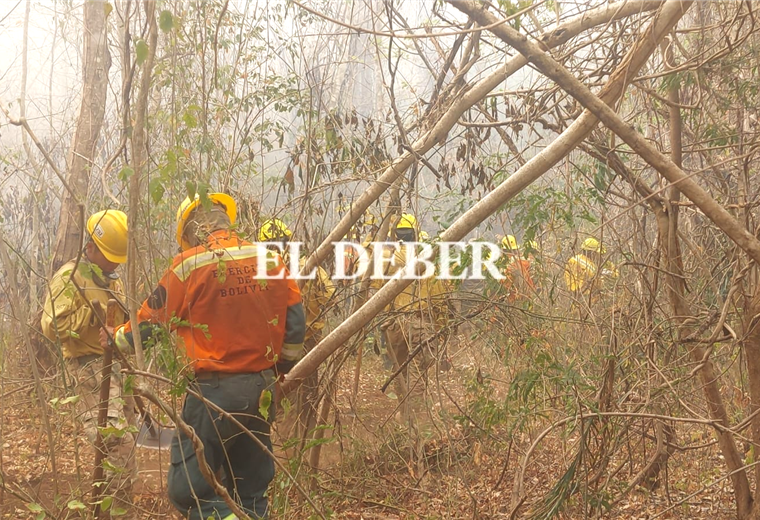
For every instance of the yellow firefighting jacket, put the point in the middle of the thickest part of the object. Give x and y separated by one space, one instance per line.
427 294
66 315
581 270
316 294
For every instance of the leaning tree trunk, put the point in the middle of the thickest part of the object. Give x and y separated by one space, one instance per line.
96 61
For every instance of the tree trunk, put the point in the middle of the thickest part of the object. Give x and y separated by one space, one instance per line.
96 61
140 159
671 262
751 325
36 270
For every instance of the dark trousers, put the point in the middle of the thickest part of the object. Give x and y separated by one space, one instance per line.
248 469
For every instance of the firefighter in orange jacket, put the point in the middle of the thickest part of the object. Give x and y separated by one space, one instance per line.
241 328
518 281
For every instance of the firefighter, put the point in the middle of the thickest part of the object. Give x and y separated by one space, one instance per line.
419 311
582 273
240 332
274 230
68 318
518 281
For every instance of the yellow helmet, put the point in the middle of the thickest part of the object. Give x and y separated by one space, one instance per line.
592 244
274 229
407 221
108 229
509 242
188 205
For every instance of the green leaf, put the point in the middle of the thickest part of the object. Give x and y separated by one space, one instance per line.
112 430
203 195
190 187
76 505
317 442
165 21
34 507
125 174
221 270
91 270
105 504
129 384
110 467
141 51
286 405
189 119
291 443
72 399
265 401
118 511
156 190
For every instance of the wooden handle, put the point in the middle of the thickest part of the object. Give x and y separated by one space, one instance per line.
111 309
98 477
98 308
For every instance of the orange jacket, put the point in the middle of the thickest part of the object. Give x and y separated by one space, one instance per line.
228 320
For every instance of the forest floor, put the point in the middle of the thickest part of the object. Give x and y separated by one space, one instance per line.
365 469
